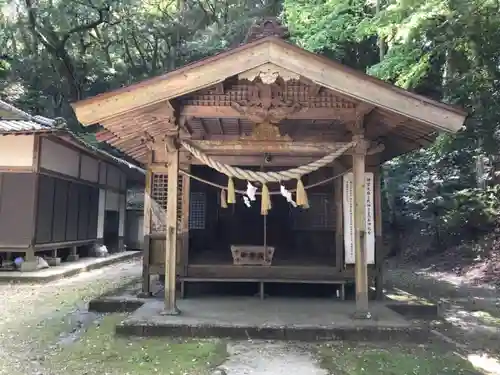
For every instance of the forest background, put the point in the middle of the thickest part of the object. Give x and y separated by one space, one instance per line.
443 200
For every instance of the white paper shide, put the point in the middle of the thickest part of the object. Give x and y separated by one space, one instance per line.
348 207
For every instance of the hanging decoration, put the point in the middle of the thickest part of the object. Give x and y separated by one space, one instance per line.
247 201
301 198
265 204
251 191
287 194
231 194
223 199
265 177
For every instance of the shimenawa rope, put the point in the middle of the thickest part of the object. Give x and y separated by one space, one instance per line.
264 177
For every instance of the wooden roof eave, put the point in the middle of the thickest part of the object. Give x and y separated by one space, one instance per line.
319 70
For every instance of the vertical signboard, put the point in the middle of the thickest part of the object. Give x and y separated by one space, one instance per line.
348 207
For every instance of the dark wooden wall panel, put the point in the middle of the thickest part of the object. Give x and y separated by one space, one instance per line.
17 204
45 214
83 211
60 211
94 212
72 215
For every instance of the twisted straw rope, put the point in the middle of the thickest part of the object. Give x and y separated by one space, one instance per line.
265 177
243 192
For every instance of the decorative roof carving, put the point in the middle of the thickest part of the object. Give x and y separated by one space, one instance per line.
268 26
266 103
269 73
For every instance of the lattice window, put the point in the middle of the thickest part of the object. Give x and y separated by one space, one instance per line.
159 187
197 210
319 216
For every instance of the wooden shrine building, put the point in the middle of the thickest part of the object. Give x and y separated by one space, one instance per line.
271 117
58 194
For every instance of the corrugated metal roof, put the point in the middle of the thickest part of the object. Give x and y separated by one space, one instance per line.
20 126
15 120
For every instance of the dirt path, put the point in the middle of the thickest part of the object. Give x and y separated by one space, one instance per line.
270 358
32 316
472 311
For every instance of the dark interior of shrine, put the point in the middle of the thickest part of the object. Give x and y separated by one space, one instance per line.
300 237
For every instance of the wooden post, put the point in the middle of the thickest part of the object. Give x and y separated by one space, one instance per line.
184 230
339 220
146 279
360 268
379 242
171 232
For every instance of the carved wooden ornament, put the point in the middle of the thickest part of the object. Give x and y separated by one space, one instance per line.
266 132
268 74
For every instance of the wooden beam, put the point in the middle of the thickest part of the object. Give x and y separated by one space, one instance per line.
184 230
320 70
172 85
339 221
367 89
360 267
379 241
171 235
267 147
257 160
200 111
146 280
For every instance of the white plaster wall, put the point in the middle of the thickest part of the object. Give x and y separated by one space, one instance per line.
59 158
16 150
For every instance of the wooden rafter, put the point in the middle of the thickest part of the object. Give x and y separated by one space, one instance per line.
320 70
303 114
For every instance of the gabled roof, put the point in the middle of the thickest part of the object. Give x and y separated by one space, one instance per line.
318 69
15 121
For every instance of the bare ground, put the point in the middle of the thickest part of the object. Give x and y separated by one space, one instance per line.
34 316
38 320
471 309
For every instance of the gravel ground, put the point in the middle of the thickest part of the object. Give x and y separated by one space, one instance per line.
471 311
276 358
36 317
36 320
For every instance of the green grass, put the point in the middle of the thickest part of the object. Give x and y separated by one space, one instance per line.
391 359
99 351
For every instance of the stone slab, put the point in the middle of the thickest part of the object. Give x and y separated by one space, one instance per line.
115 304
278 319
72 257
53 262
66 269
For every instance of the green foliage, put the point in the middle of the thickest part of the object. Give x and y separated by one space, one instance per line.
53 53
447 50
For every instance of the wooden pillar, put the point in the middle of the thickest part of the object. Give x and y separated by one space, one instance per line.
379 242
184 229
171 233
101 213
360 267
122 217
339 218
146 279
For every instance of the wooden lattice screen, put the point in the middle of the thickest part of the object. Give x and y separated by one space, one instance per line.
197 210
159 186
319 216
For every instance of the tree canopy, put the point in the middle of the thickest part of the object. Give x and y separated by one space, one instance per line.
53 52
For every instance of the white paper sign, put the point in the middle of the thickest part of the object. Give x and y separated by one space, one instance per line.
348 207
